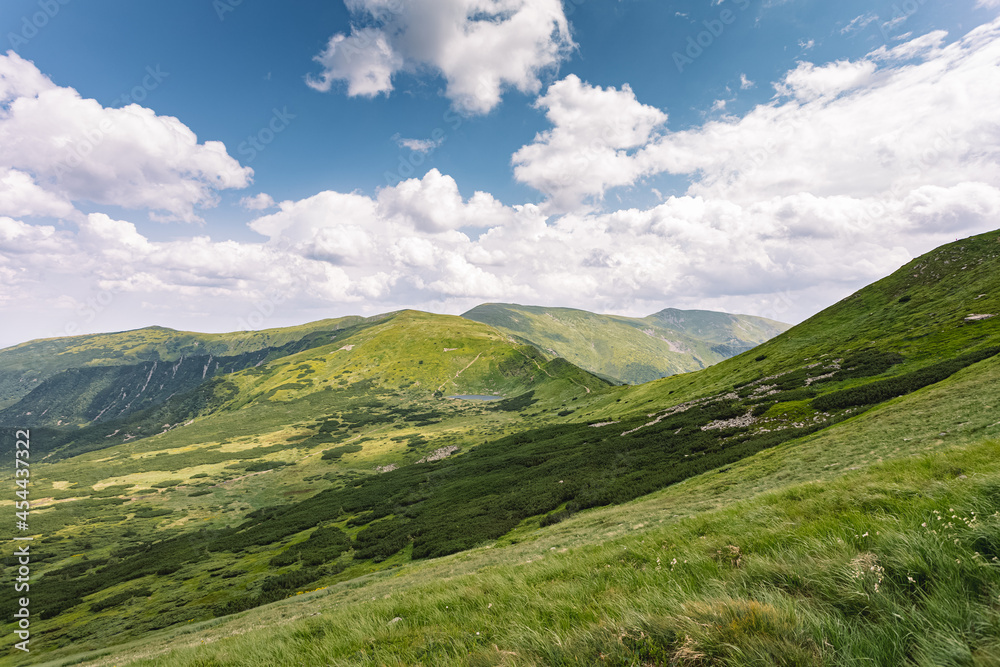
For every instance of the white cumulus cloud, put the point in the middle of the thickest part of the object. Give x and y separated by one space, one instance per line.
590 147
479 47
258 202
20 195
808 82
890 122
75 150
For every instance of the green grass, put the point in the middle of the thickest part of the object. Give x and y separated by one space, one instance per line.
784 508
408 355
945 285
208 474
876 566
259 452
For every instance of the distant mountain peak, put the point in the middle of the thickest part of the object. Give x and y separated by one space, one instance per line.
627 349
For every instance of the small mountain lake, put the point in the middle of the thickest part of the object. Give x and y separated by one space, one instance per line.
476 397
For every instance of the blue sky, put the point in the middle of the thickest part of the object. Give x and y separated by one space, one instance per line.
232 71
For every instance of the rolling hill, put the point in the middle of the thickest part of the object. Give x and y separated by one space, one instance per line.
24 367
409 355
631 350
829 497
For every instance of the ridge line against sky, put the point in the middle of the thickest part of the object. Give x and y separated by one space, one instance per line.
772 158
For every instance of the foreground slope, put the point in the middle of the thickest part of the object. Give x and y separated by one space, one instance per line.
870 543
141 521
234 511
631 350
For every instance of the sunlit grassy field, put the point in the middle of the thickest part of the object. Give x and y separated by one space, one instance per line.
872 542
760 511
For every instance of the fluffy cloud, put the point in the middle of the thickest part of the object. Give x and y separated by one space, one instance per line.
589 148
259 202
433 204
896 120
480 47
58 147
20 195
20 238
364 59
808 82
783 257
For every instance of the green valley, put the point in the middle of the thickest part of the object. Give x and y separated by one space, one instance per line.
314 496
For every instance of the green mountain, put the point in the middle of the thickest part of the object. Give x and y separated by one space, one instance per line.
416 356
829 497
631 350
24 367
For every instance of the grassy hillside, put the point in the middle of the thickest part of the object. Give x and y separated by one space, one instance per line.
344 467
148 510
920 311
631 350
78 396
407 356
871 542
25 366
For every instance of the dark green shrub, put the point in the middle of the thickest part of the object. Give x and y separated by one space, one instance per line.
554 518
516 403
118 598
324 545
800 394
883 390
381 540
865 363
289 581
335 453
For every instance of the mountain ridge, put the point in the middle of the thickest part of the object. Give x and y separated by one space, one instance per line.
26 365
627 349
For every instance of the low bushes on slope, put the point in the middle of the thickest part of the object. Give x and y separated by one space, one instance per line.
883 390
891 566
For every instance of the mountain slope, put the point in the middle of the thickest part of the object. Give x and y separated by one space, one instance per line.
825 567
345 461
632 350
406 356
850 556
933 308
23 367
103 393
